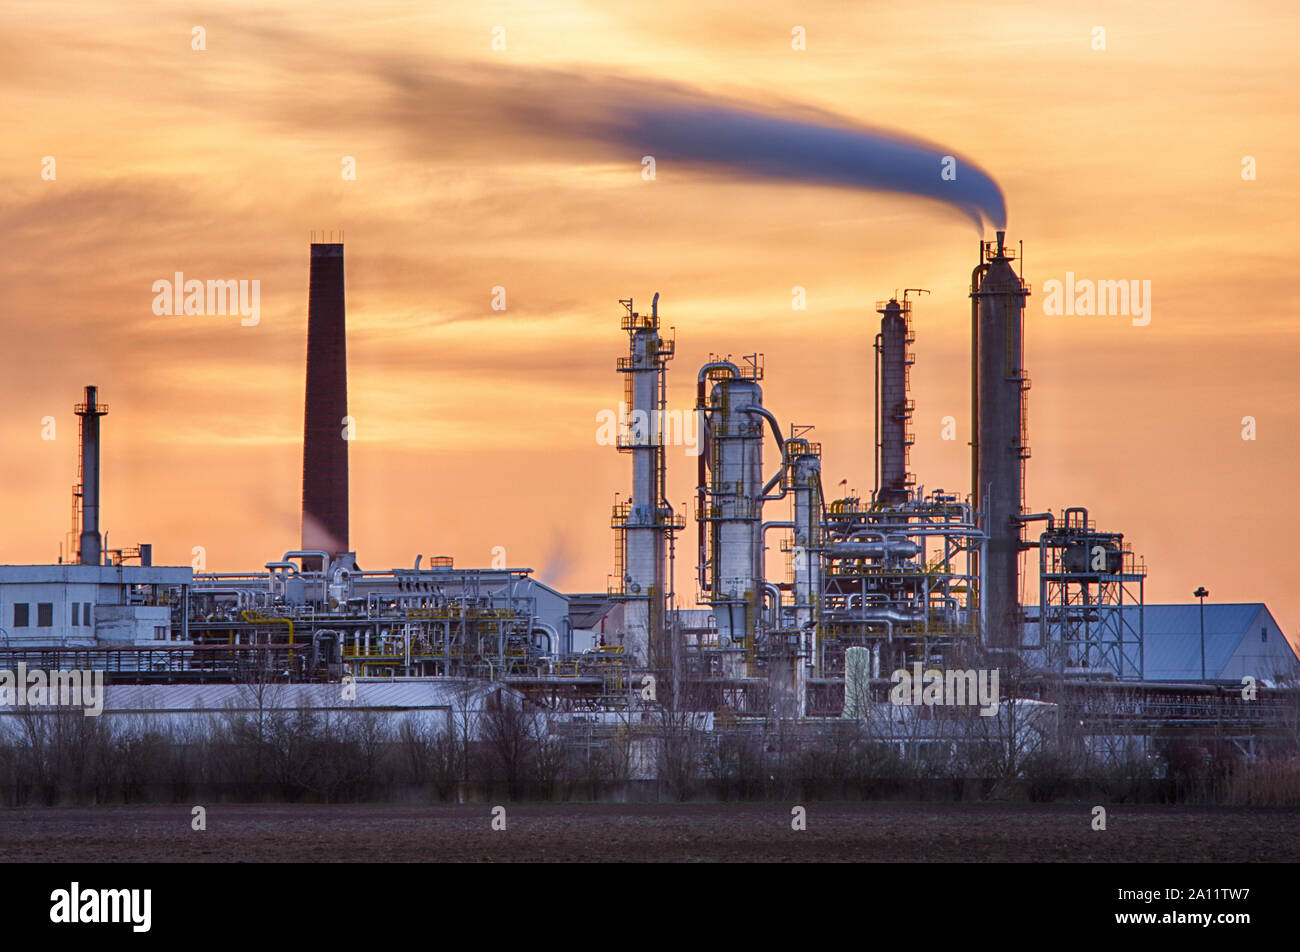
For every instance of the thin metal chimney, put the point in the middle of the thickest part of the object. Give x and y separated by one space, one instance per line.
325 427
89 550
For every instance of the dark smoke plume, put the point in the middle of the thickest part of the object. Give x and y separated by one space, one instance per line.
776 148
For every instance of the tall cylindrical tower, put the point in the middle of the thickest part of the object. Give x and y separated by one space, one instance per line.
89 544
325 423
999 445
806 484
644 525
892 404
735 509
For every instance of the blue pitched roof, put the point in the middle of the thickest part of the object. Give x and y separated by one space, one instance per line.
1172 641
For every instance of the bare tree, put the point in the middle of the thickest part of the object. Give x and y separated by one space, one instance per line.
508 733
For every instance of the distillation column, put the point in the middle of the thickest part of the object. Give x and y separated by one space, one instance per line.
644 525
893 407
734 509
999 445
806 480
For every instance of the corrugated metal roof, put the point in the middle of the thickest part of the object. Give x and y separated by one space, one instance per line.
1172 642
1172 638
372 694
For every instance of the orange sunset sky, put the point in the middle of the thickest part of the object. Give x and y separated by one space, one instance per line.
477 428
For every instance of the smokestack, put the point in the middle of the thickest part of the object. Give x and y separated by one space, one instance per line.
88 543
324 448
892 405
999 444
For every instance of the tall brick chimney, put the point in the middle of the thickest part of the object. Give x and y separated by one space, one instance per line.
324 450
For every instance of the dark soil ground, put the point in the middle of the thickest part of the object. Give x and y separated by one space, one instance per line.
739 833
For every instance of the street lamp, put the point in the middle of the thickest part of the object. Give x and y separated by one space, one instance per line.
1202 594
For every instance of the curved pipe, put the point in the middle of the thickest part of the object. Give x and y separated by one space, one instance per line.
773 617
1037 517
540 627
886 616
239 594
779 524
304 553
704 454
766 414
853 536
780 445
281 572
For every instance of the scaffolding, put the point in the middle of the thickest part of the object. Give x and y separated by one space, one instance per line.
1090 600
900 579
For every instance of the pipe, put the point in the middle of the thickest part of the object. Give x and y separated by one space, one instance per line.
1038 517
704 453
305 553
886 616
853 536
780 445
767 415
256 618
778 524
289 570
763 493
770 589
904 548
545 629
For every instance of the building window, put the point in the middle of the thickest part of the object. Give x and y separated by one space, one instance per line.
159 633
76 614
44 614
20 615
86 614
1263 633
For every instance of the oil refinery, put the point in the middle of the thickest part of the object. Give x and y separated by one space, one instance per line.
794 605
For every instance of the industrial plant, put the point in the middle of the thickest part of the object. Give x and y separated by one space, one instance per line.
782 603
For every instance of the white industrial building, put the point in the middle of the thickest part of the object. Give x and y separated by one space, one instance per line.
74 605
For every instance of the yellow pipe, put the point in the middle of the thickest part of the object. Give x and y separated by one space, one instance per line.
254 617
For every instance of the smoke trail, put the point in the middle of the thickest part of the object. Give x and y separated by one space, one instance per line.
771 147
549 113
685 125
